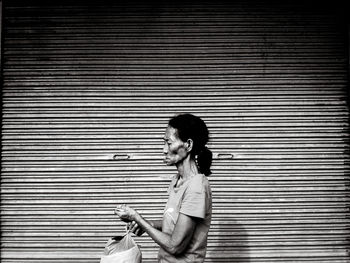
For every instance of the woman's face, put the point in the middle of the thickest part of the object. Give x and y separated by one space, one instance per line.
174 148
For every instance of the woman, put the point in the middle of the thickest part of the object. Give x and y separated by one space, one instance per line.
182 234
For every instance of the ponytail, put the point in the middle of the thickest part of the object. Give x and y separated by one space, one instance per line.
204 160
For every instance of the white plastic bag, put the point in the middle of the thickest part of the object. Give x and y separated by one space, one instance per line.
121 250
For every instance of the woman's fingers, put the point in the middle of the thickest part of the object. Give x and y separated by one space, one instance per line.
133 227
123 212
120 208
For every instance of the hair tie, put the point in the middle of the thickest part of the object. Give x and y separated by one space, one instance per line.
196 160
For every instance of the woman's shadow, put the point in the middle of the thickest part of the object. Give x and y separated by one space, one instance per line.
228 242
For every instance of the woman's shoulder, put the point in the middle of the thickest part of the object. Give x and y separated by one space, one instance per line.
198 183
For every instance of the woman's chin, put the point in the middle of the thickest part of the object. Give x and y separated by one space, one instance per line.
167 162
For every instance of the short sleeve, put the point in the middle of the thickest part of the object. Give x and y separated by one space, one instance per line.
195 201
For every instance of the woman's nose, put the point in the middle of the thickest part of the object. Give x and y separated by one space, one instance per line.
165 149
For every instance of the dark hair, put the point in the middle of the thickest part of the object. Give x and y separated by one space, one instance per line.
189 126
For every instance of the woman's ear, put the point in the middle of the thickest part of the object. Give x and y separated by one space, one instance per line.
189 145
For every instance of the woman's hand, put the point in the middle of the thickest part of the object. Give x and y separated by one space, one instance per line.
125 213
133 227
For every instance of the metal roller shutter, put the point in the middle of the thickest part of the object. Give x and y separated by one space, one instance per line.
87 93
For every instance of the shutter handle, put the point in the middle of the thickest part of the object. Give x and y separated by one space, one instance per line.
120 157
223 156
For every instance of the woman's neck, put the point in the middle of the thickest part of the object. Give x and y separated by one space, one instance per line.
187 168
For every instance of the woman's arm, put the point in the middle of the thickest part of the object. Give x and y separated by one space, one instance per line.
158 224
174 243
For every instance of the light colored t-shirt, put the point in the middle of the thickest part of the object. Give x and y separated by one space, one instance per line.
193 198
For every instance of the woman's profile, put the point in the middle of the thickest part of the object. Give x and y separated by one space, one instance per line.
182 233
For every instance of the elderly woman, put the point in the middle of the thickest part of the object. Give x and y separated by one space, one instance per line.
182 234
